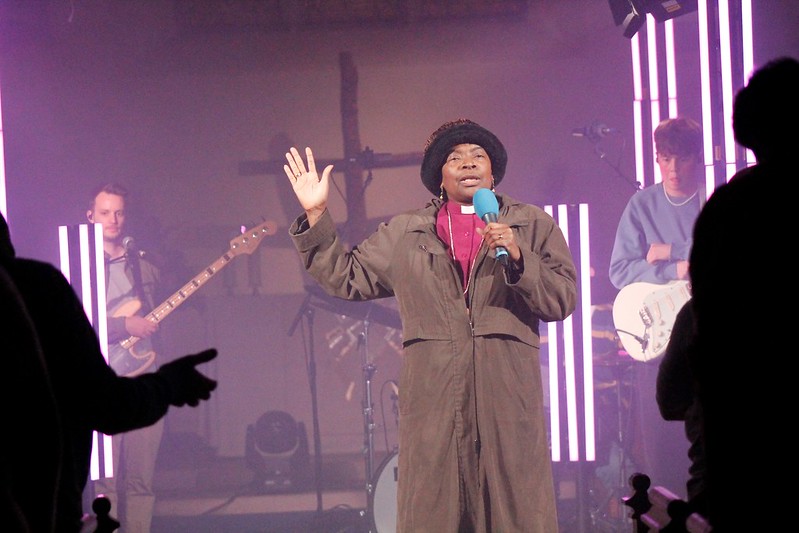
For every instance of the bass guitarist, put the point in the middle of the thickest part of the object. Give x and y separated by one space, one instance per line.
131 283
651 250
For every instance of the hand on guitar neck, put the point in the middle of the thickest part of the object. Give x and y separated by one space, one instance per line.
128 359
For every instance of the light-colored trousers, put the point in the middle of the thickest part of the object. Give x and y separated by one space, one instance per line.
130 491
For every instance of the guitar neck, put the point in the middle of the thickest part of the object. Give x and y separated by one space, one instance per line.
173 302
246 243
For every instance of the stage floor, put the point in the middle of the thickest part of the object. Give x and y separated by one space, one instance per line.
212 495
220 495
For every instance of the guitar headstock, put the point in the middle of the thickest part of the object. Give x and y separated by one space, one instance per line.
249 240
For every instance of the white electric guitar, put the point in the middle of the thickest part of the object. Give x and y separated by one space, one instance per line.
123 356
644 314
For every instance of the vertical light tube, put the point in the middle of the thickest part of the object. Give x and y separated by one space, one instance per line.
85 268
638 109
554 396
707 107
725 56
587 334
554 381
94 460
90 250
99 282
568 360
3 192
63 252
654 87
108 463
747 48
102 328
671 69
571 390
748 55
563 352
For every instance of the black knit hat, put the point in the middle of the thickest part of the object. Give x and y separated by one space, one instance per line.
444 139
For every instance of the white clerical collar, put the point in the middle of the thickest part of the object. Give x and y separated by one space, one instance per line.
467 210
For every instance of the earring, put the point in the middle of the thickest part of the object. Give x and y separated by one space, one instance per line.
492 183
441 192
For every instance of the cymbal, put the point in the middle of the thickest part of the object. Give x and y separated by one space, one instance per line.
366 310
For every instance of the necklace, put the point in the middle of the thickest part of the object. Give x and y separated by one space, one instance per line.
676 204
468 273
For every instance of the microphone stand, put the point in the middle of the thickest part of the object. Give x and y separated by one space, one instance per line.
603 156
307 311
132 259
369 370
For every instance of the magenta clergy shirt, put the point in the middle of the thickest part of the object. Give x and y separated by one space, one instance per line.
457 227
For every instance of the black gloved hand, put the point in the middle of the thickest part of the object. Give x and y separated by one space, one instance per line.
187 386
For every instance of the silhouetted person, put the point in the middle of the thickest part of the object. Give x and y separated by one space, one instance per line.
89 395
741 291
30 449
677 399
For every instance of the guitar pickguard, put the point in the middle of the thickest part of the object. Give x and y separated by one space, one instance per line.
644 314
130 362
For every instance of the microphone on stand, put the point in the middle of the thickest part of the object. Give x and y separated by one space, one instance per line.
594 132
131 250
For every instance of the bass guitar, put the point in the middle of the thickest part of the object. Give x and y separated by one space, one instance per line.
128 359
644 314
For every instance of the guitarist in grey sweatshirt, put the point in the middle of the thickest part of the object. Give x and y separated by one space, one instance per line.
651 249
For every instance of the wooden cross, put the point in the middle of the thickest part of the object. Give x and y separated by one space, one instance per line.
356 159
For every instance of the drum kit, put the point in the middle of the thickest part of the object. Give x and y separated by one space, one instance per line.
612 384
381 482
613 387
383 497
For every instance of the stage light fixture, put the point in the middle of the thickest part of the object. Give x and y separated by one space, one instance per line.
664 10
277 451
628 15
631 14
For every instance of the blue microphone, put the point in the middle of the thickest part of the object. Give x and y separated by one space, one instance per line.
487 208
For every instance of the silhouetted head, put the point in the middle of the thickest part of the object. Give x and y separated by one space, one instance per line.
766 112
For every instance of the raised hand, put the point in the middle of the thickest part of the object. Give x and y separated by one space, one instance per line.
311 189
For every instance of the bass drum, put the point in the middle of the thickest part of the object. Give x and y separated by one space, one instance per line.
383 502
